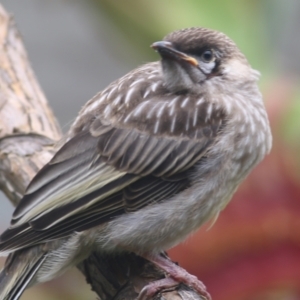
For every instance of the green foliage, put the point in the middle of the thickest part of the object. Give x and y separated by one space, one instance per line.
145 21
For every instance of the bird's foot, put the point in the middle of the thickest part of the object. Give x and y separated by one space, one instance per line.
150 290
176 275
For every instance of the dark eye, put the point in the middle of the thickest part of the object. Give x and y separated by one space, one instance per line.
207 56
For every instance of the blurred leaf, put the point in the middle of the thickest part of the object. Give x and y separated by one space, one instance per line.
146 21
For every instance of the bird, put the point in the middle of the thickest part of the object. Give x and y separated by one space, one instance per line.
147 161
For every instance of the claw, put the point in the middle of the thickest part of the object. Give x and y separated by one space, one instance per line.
157 286
176 274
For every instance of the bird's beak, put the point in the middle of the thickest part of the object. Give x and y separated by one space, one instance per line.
166 49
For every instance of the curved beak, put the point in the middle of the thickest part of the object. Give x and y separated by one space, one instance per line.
166 49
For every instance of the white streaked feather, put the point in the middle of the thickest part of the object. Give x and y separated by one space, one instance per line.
127 118
154 86
70 191
117 100
213 220
136 82
185 101
112 91
140 108
257 115
241 108
208 112
107 110
73 177
152 110
102 98
242 128
252 125
264 149
172 105
172 102
259 138
91 107
156 126
152 76
247 141
96 199
147 92
173 124
228 105
120 84
264 123
161 109
129 76
201 100
128 95
195 117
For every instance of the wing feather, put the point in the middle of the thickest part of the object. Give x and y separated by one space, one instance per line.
113 165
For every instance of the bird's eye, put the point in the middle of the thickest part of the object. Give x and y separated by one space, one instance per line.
207 56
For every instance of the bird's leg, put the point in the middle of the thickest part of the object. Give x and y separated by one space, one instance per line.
157 286
176 275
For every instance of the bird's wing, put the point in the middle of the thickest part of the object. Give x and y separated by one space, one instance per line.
114 165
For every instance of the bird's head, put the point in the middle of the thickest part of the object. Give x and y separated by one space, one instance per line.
193 56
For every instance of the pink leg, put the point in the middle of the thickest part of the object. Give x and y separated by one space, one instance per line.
156 286
177 275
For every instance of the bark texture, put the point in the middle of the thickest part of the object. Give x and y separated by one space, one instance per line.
29 133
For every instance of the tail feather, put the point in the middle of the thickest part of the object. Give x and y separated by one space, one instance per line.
17 275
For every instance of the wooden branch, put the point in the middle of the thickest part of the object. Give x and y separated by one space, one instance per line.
28 135
27 124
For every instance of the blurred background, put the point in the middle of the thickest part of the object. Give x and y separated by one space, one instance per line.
77 47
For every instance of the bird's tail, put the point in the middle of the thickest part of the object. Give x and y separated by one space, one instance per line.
18 273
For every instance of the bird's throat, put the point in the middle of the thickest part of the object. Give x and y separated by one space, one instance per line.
177 77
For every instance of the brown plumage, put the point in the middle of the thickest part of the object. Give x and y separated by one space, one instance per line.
147 160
